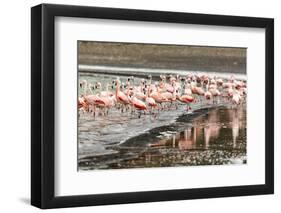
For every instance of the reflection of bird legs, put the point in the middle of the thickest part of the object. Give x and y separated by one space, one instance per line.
185 134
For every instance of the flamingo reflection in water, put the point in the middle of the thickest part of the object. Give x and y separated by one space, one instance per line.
204 130
236 116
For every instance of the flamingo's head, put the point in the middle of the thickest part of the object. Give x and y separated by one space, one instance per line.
144 91
116 82
182 79
131 79
82 83
97 85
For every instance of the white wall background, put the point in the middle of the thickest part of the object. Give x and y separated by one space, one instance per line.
15 105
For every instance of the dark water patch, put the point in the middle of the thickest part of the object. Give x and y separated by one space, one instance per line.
151 136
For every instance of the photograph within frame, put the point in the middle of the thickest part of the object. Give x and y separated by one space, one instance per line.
43 171
160 105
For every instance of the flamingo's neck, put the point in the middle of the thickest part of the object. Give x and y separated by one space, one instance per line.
91 91
117 89
148 92
207 86
130 98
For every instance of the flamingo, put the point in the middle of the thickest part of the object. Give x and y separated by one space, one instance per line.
87 100
213 90
187 89
140 95
150 94
120 96
106 93
170 97
107 102
138 104
82 105
158 97
91 101
187 99
219 82
208 94
197 90
236 98
149 100
230 92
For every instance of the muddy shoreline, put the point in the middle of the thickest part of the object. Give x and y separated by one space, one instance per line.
133 154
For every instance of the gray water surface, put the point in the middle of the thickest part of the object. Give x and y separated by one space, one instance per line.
213 135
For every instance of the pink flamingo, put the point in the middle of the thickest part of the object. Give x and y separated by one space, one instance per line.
236 98
120 96
149 100
170 97
92 101
187 99
219 82
208 94
197 90
107 103
213 90
158 97
230 92
106 93
138 105
82 105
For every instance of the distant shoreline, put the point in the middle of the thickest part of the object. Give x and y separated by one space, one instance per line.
163 56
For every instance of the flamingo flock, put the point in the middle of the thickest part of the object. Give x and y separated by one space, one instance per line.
151 97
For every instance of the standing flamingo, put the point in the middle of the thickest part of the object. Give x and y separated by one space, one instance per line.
138 104
120 96
187 99
158 97
149 100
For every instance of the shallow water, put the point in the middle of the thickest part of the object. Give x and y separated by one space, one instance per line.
208 137
214 135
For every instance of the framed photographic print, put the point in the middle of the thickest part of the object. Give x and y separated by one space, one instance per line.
139 106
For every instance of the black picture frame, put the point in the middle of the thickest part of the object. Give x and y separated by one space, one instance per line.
43 102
